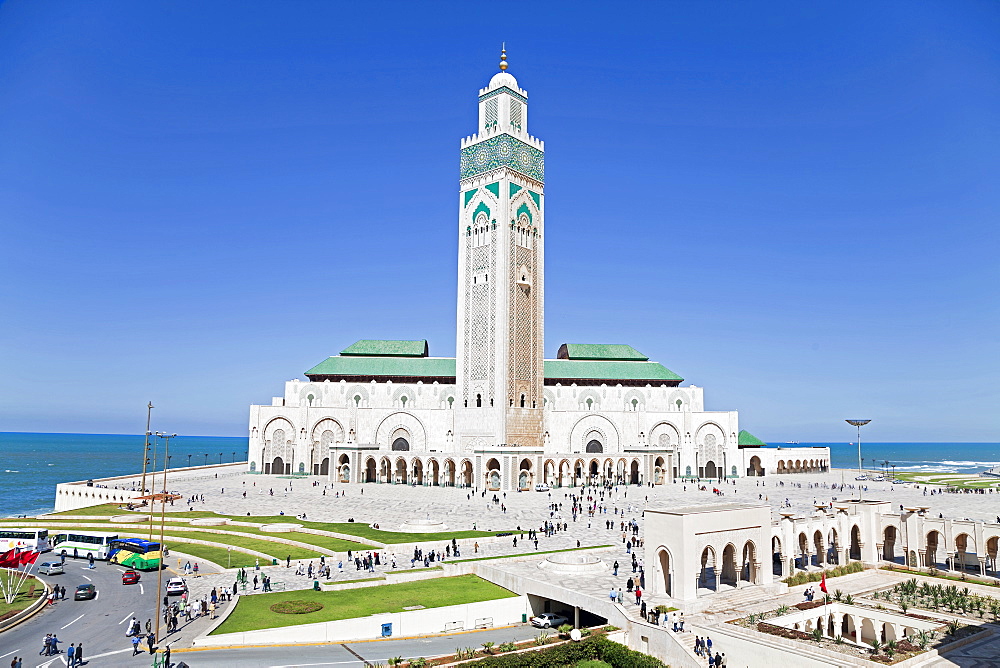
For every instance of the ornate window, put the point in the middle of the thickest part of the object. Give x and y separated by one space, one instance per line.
401 444
515 114
310 399
595 446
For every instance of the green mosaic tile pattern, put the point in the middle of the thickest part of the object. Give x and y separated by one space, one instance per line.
469 194
503 89
502 151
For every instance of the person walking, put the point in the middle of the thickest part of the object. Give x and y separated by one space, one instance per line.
151 642
79 654
71 655
166 657
135 644
90 558
616 568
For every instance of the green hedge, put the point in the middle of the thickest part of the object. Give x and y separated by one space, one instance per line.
816 576
571 653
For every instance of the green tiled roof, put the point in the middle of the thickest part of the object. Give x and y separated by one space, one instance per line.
600 351
412 367
746 438
609 370
381 348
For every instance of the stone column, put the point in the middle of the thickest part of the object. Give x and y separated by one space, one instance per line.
982 566
879 547
755 572
922 558
838 621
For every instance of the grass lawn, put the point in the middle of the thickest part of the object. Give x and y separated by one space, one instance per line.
110 509
279 550
22 600
218 555
254 612
950 479
362 530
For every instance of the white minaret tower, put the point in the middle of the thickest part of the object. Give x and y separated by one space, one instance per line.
500 270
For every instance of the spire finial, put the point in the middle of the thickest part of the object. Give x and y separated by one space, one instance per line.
503 57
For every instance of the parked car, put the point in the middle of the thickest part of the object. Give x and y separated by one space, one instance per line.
85 592
176 586
50 568
130 577
548 620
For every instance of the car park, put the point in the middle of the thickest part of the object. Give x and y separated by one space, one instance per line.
548 619
85 592
130 577
50 568
176 586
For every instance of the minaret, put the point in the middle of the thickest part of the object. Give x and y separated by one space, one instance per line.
500 270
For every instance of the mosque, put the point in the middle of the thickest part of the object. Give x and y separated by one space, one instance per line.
499 415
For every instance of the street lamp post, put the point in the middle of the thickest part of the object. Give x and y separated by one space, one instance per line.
189 459
234 457
220 459
163 516
859 424
206 459
145 450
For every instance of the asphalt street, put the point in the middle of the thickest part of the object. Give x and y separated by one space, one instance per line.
100 623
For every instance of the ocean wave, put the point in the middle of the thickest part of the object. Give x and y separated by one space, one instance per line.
10 471
927 468
985 464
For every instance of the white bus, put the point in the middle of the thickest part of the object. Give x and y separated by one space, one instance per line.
36 540
84 544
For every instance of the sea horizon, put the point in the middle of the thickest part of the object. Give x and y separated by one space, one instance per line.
32 463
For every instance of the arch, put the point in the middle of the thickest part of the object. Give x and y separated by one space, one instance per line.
400 476
855 551
781 467
965 552
833 550
868 630
400 444
992 545
707 578
524 474
467 473
711 471
345 472
371 470
385 470
666 573
401 425
664 435
889 543
418 471
450 472
324 466
777 559
819 545
434 472
728 575
634 473
755 468
493 478
584 431
565 473
549 473
277 466
931 547
594 446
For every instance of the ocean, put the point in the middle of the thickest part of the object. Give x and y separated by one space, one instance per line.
32 464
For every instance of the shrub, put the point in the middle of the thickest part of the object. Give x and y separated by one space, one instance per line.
296 607
594 648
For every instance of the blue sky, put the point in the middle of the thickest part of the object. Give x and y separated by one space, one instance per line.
793 205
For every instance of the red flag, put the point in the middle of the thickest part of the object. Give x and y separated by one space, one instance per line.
27 557
9 559
822 584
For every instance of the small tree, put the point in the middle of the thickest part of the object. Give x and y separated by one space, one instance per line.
837 594
817 634
488 646
876 646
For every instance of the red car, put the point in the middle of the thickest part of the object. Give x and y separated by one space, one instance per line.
130 577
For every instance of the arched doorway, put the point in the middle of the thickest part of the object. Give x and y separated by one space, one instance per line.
634 473
467 473
594 470
418 472
889 543
855 543
277 466
434 472
549 475
748 569
933 540
385 470
820 547
493 475
401 444
706 576
665 572
658 473
728 565
400 478
965 553
345 473
524 475
991 554
564 474
595 446
324 466
755 468
449 473
777 568
370 470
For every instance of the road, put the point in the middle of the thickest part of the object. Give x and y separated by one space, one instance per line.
99 623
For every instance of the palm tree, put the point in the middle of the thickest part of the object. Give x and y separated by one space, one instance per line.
876 646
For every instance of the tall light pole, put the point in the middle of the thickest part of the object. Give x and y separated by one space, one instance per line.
145 450
859 424
163 516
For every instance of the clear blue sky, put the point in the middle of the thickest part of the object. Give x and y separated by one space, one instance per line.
794 205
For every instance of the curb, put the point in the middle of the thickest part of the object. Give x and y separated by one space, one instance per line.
30 611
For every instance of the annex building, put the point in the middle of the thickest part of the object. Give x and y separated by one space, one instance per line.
498 414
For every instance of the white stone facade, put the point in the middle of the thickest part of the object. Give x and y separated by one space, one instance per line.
493 416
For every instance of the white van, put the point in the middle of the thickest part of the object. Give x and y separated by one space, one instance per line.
51 568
